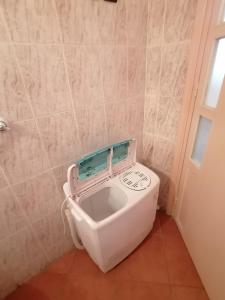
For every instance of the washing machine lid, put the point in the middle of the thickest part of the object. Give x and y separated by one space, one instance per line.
135 180
99 166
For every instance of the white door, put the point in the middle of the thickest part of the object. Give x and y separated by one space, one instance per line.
200 212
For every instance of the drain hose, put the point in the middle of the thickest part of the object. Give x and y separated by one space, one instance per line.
72 226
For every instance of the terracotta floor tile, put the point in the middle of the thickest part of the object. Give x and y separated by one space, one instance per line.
146 263
142 290
83 266
156 226
86 288
180 265
50 285
186 293
64 264
169 228
181 270
26 292
161 259
46 286
119 290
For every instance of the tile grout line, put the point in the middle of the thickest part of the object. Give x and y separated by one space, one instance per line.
168 44
166 260
145 79
103 100
67 74
188 286
62 49
146 73
161 137
5 178
103 90
127 74
160 74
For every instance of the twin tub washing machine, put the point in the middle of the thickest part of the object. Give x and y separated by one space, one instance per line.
111 203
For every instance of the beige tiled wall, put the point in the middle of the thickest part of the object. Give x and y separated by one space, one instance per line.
75 75
72 78
169 30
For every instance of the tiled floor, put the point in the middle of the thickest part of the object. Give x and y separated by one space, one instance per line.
160 268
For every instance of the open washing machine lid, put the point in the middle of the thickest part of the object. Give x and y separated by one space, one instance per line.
97 167
135 180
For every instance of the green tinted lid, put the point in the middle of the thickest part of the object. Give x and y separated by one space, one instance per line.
120 151
99 161
93 163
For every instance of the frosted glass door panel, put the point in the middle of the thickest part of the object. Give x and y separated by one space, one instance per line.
201 139
217 75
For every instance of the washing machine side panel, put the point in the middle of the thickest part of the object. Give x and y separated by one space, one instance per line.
89 236
119 238
110 242
90 240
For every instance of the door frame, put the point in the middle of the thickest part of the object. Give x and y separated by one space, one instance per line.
206 14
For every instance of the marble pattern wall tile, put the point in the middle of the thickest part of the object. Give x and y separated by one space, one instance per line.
3 182
169 32
156 22
21 153
14 105
168 117
164 190
3 32
150 113
38 196
174 69
153 70
112 23
11 215
117 124
85 75
135 112
136 71
76 63
7 283
92 128
179 20
44 75
49 235
163 154
60 175
114 69
31 21
60 138
137 15
164 186
148 147
22 256
79 21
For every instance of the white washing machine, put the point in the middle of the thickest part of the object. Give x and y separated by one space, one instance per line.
112 202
